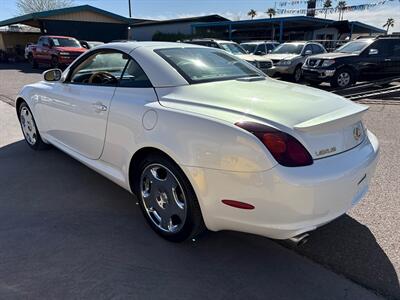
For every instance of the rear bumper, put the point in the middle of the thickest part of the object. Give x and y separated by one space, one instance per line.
287 201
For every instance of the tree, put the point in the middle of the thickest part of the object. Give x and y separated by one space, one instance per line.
252 13
389 23
271 12
31 6
341 7
327 5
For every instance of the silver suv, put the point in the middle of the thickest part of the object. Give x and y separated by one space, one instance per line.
289 57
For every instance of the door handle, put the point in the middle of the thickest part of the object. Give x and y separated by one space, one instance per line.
99 107
388 59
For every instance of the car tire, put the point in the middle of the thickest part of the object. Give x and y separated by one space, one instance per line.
297 74
167 199
54 62
29 128
34 63
343 78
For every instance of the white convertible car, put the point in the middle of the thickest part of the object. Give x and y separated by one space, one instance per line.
204 139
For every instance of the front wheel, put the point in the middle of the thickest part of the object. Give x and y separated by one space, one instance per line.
54 62
29 128
297 74
167 199
343 78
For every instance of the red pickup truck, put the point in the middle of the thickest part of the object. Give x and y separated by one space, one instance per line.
56 51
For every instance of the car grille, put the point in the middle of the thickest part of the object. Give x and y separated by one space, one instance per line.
265 64
275 61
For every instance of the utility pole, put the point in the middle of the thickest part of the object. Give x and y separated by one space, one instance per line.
130 10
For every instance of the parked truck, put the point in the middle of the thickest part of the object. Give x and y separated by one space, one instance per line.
56 51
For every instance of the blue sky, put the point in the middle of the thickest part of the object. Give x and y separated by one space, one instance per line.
233 9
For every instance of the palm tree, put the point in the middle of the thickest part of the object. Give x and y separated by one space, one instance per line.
271 12
341 6
252 13
327 5
389 23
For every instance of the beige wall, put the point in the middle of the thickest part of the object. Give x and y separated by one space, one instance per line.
87 16
11 39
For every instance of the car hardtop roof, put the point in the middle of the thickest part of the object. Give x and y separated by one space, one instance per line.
58 37
212 40
128 46
260 42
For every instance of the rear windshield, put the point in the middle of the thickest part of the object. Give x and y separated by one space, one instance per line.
198 65
65 42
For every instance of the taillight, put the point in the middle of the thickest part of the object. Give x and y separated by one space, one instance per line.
286 150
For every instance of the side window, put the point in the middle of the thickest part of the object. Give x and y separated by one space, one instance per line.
134 76
395 48
317 49
40 42
270 47
308 47
383 46
260 49
100 68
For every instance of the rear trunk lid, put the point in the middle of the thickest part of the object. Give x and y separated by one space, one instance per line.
326 124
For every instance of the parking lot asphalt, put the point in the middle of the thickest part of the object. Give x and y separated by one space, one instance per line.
66 231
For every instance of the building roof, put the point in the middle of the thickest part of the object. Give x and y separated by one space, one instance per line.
200 19
295 21
50 13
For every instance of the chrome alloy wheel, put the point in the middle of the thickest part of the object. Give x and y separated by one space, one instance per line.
297 74
343 79
28 126
163 198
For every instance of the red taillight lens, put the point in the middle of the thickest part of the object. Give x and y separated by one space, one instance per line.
287 151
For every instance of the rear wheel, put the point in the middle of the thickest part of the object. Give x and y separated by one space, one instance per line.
343 78
167 199
29 128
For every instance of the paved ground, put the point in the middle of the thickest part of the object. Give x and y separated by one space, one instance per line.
65 231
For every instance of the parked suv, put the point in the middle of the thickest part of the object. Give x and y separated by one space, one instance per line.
259 47
234 48
289 57
56 51
363 59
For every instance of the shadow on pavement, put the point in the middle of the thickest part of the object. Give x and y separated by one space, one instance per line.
23 68
349 248
67 232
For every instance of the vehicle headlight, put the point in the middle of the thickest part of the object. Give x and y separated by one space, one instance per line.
328 62
284 62
64 53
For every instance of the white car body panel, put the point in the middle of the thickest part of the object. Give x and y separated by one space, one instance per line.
195 127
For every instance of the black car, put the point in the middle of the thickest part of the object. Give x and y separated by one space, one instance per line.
358 60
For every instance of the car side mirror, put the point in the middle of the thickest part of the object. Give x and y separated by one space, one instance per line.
52 75
308 52
269 51
373 52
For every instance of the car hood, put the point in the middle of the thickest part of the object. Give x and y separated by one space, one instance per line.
70 49
251 57
333 55
274 101
281 56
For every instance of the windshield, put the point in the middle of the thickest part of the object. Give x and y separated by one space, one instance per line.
288 48
250 48
206 64
66 42
354 47
232 48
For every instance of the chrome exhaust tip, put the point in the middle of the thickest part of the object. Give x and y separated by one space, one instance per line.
299 240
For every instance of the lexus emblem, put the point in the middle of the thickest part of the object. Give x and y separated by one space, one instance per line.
357 133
